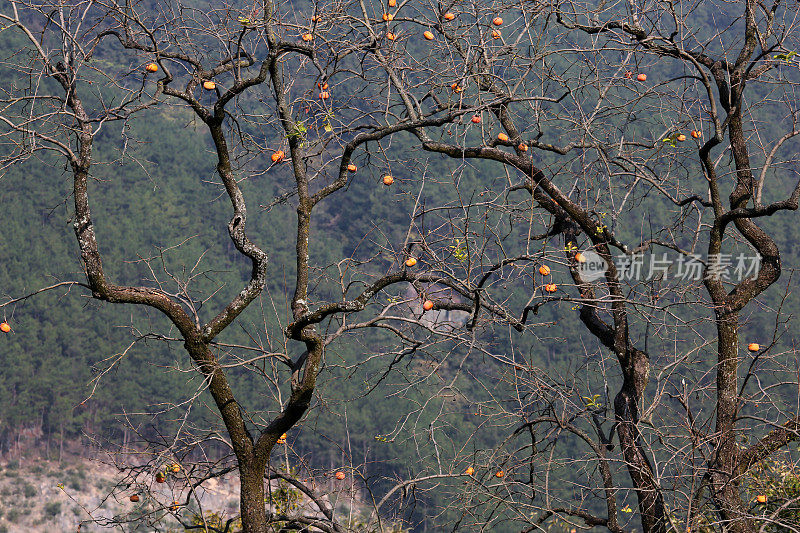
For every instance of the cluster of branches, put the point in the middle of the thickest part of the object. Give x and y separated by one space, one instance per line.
551 99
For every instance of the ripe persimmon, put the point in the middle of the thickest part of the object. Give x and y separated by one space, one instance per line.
642 77
544 270
411 261
502 137
449 16
5 327
428 35
209 85
497 21
428 305
388 180
351 167
151 67
340 475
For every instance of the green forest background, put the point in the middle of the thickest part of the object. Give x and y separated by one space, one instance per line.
60 339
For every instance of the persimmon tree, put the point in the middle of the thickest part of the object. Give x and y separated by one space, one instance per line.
609 130
240 71
595 137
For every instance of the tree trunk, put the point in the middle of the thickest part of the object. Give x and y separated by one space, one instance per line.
251 498
725 484
651 502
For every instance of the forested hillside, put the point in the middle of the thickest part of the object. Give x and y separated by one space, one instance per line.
410 394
